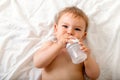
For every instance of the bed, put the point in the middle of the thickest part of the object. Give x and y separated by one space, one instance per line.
26 24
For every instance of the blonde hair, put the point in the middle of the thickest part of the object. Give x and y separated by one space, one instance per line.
76 13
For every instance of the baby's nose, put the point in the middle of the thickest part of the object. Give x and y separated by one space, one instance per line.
70 31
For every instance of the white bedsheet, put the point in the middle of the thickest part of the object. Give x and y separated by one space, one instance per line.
24 25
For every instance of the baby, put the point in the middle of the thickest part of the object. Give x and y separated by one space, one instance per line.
53 58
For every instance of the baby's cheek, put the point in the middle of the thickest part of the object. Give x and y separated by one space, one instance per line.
78 36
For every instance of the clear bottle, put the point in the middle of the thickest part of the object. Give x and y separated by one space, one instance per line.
75 53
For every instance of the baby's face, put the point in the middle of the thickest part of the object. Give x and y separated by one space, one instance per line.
68 24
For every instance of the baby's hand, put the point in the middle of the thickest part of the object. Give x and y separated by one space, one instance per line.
84 48
63 40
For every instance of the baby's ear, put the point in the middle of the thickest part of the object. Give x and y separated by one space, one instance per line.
55 27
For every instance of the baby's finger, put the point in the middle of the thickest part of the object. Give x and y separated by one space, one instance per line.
81 43
85 50
82 47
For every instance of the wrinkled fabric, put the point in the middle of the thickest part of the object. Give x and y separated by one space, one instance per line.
26 24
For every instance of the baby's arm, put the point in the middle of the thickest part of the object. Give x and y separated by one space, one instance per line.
91 67
45 55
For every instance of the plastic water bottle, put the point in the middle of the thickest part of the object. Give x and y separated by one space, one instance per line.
76 54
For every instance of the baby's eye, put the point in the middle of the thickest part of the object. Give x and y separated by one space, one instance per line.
77 29
65 26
